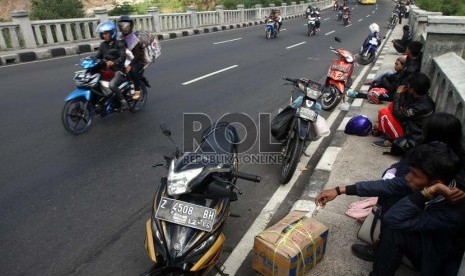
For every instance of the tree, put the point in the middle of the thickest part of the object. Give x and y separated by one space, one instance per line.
56 9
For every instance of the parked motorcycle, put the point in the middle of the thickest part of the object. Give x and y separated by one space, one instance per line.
339 78
270 29
184 234
93 96
300 127
368 51
311 26
392 22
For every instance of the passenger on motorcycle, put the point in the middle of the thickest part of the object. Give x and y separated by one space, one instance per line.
316 14
274 15
346 11
113 53
132 43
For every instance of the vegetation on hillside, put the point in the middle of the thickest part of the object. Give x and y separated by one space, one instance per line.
56 9
447 7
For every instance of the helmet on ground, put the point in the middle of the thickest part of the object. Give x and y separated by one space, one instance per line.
107 26
374 28
359 125
125 24
375 93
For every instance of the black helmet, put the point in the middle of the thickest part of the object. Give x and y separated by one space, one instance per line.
125 24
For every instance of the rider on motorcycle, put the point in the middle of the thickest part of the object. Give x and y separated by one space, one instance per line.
274 15
316 14
132 43
374 33
346 11
113 53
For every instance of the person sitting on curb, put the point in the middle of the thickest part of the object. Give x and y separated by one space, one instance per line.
406 115
401 44
389 80
428 212
413 61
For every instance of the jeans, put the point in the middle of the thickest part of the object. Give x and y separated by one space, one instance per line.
117 80
136 75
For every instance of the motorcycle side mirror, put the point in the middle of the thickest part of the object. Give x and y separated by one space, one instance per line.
165 129
337 39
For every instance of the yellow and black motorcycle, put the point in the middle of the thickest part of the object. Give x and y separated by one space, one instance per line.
184 234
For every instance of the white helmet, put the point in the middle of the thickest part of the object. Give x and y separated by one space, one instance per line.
374 28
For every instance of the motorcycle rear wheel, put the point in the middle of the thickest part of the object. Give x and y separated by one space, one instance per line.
268 34
331 97
291 158
77 116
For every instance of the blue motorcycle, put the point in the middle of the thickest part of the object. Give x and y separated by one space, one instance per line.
270 29
93 96
369 49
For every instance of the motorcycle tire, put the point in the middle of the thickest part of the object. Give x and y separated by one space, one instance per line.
268 34
75 112
331 97
295 148
365 60
138 105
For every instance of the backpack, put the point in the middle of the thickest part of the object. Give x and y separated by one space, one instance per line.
151 46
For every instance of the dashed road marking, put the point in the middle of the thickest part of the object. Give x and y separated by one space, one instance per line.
327 160
209 75
295 45
226 41
329 33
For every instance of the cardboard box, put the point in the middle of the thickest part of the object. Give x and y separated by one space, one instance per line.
291 247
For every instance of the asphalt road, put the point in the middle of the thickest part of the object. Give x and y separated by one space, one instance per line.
78 204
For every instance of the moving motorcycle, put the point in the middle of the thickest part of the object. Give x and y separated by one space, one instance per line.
311 26
93 96
339 78
368 50
300 125
345 19
184 234
270 28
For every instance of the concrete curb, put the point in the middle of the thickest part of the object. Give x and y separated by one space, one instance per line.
28 55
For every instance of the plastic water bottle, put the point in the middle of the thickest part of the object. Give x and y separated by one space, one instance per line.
391 173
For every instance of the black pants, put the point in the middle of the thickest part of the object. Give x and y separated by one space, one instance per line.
117 80
400 48
136 75
394 244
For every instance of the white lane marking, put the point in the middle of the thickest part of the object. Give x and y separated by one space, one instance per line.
368 15
295 45
348 25
208 75
373 12
360 20
283 30
326 19
375 68
329 33
371 76
357 103
240 252
364 88
327 160
226 41
344 122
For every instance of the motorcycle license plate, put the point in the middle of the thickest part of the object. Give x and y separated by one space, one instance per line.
307 113
186 214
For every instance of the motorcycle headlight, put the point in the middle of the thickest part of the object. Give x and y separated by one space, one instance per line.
313 94
178 183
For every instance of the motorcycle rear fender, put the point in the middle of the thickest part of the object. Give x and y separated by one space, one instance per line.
148 243
338 84
303 128
79 93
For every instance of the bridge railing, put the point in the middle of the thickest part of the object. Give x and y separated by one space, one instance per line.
22 33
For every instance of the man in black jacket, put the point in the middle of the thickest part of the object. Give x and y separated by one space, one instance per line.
426 218
401 44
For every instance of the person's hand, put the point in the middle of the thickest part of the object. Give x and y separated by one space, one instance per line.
325 196
401 88
128 69
110 64
453 195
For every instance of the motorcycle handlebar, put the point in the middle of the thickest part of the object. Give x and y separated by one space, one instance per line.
291 80
246 176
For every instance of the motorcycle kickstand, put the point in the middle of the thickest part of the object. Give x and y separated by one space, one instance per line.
220 270
234 215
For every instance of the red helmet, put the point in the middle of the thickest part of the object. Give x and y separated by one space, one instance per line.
374 93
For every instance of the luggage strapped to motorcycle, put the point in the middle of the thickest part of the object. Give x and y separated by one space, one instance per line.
151 46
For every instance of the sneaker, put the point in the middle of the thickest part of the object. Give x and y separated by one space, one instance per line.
382 144
364 252
352 93
137 95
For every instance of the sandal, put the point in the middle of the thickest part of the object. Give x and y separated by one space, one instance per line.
137 95
358 214
362 204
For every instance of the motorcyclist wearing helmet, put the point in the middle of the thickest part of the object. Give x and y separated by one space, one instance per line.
316 14
346 11
132 43
274 15
113 53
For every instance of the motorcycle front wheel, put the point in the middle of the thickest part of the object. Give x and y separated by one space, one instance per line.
77 116
268 34
367 58
137 105
330 98
294 149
